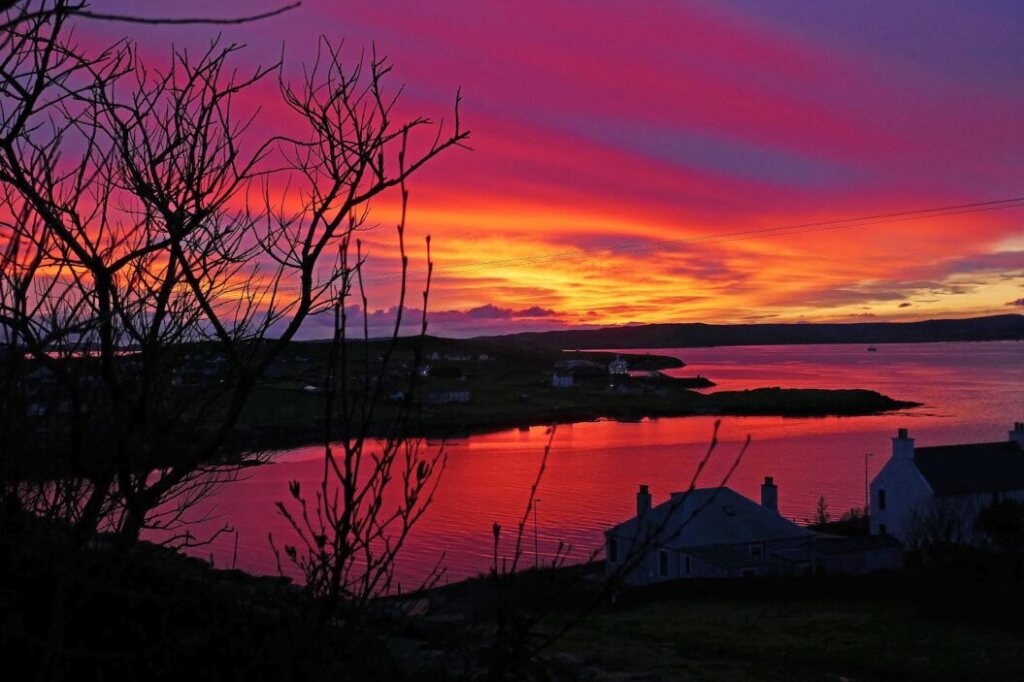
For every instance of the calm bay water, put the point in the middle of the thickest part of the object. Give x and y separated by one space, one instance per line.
970 391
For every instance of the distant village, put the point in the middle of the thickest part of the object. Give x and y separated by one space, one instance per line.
291 391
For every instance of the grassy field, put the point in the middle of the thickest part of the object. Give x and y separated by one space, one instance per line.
714 638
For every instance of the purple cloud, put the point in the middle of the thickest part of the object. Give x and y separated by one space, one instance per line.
492 312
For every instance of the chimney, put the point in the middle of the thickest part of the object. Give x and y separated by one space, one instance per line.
643 501
1017 435
770 494
902 446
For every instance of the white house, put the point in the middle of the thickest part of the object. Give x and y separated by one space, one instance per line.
618 367
718 533
934 494
561 380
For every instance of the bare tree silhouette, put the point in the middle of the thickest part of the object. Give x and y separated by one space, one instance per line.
377 481
134 251
155 261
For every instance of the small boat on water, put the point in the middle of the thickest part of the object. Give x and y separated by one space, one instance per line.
872 349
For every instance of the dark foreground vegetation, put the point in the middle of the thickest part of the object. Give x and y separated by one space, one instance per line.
142 612
865 628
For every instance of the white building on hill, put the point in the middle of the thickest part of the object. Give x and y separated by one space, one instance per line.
934 494
561 380
618 367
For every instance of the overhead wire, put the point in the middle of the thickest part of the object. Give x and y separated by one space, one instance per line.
738 235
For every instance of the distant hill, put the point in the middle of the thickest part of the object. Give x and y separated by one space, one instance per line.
695 335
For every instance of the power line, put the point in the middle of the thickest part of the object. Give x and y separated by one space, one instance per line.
766 232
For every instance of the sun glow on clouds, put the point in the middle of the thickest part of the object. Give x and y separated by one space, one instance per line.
602 130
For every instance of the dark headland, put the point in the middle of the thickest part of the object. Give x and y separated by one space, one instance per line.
467 386
696 335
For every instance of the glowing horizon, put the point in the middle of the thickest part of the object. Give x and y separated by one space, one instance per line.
608 130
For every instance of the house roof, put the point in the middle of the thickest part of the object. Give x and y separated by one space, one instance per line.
972 468
709 516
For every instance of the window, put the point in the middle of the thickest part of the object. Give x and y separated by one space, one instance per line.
613 550
686 564
756 549
881 500
881 529
663 563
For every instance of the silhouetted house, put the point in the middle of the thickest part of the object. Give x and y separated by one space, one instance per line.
934 494
718 533
561 380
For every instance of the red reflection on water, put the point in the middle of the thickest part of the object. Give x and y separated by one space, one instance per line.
971 391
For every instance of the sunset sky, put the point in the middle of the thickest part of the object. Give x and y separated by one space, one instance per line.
616 143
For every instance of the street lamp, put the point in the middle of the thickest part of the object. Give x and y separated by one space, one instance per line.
867 485
536 541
